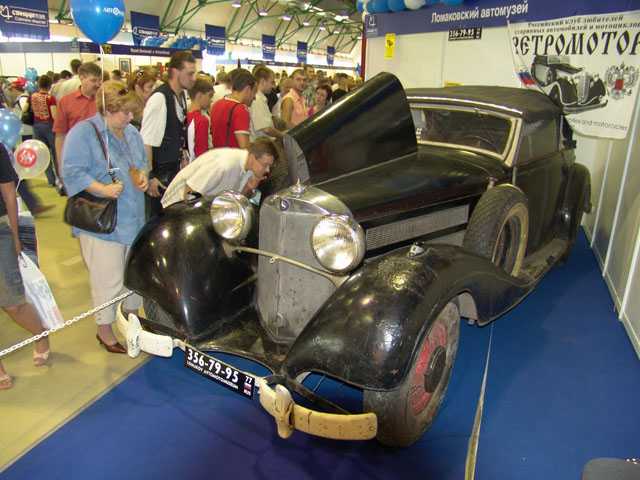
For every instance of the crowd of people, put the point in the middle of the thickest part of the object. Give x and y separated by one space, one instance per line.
158 136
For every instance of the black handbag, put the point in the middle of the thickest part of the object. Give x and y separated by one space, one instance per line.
90 212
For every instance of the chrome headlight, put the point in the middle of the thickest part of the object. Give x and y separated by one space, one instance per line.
232 216
338 243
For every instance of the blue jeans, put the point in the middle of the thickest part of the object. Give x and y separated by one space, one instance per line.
11 286
28 197
43 131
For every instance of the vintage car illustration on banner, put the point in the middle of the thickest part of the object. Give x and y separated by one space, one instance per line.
573 88
400 212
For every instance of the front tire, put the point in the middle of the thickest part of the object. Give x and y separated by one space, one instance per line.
405 413
499 228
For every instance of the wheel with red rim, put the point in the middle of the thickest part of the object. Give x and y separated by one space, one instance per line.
406 412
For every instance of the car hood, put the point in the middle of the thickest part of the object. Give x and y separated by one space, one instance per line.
431 176
366 127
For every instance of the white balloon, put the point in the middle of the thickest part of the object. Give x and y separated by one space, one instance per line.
31 159
414 4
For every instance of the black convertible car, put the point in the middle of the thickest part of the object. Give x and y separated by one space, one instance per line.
394 214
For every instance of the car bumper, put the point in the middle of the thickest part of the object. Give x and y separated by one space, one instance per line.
276 400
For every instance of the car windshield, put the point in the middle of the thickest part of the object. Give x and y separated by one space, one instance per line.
462 128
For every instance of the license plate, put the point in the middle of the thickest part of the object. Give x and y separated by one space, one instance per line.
219 372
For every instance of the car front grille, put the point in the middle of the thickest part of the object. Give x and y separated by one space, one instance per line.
288 296
416 227
583 82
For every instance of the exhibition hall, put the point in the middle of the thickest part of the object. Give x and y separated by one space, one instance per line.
320 239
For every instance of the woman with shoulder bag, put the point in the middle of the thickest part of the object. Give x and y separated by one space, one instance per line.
104 157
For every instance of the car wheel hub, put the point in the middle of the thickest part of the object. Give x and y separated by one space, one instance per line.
429 368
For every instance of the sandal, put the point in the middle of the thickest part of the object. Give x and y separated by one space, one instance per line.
6 382
41 359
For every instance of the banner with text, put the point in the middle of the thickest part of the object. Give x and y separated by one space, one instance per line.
490 13
115 49
25 19
331 55
268 47
302 52
143 26
216 39
589 65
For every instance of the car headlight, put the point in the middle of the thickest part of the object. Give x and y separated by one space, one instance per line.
338 243
232 216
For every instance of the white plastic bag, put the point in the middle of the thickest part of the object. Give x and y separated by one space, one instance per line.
39 294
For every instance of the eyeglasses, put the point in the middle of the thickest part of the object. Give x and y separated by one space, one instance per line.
139 73
123 92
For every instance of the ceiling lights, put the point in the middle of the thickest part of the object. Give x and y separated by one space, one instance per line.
286 18
305 24
236 4
263 13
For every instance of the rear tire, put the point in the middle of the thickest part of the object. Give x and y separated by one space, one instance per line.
405 413
499 228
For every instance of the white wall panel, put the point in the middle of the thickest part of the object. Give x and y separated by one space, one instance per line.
13 64
609 201
627 220
417 61
481 62
42 62
631 312
62 61
593 153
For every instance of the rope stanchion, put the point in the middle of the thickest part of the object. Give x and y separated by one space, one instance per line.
66 324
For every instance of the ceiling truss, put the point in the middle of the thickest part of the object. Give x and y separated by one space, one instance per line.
343 34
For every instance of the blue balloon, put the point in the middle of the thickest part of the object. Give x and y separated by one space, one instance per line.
31 74
10 126
396 5
360 6
100 20
32 87
381 6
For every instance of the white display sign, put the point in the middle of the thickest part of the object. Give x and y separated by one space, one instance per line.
588 64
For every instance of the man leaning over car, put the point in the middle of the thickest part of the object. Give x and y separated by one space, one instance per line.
223 169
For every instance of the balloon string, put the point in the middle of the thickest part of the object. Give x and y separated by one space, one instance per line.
104 109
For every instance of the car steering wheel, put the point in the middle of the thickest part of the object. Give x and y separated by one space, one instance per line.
481 139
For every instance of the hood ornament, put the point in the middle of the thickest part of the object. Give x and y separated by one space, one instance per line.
298 189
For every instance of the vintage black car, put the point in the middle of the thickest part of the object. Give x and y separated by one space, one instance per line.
402 212
573 88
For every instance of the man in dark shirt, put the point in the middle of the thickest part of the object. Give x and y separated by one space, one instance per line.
12 299
164 128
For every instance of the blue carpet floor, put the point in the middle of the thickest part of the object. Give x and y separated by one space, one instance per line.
564 382
563 387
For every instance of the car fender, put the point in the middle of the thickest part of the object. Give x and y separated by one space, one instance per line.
366 334
178 261
577 200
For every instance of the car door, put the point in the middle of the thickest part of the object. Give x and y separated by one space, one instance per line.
540 172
